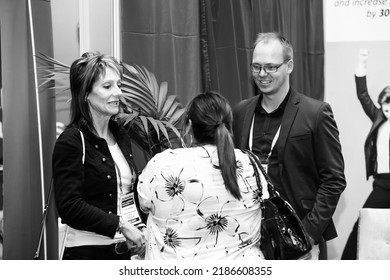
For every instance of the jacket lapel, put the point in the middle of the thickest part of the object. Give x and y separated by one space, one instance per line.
288 120
246 124
377 122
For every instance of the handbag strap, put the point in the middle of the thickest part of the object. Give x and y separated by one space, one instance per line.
251 157
83 142
256 162
255 169
63 245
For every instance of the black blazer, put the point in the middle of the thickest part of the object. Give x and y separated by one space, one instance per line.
377 117
311 165
86 194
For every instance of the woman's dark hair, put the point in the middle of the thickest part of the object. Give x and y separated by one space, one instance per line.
211 118
84 72
384 96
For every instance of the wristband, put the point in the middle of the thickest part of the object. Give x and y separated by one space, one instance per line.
141 226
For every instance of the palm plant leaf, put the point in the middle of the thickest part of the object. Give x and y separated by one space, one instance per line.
162 97
164 130
128 118
139 102
175 115
145 125
142 93
174 130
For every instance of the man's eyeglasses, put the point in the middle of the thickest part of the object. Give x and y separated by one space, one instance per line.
268 68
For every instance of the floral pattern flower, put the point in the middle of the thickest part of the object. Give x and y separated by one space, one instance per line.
173 239
179 187
217 222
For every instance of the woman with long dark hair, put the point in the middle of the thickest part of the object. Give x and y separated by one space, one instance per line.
203 201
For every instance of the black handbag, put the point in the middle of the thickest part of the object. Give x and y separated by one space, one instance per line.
283 236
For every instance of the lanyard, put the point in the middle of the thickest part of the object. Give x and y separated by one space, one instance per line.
273 140
127 208
119 176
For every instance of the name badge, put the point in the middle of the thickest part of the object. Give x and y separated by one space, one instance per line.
128 208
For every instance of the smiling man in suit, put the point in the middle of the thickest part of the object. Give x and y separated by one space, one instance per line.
295 137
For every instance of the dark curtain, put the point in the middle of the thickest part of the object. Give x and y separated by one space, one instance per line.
163 36
23 206
228 34
199 45
230 28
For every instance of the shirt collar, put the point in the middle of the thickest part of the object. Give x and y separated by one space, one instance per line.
278 110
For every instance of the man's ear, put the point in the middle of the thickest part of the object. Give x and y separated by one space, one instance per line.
290 66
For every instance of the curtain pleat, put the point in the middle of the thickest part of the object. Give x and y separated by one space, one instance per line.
208 52
231 35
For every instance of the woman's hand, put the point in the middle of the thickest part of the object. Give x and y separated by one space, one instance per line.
363 55
133 234
361 68
140 251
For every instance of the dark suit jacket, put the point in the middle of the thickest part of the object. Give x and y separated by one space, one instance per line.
377 117
311 165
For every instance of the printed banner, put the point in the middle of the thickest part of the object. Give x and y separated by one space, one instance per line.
357 20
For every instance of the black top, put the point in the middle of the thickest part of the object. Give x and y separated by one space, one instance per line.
264 131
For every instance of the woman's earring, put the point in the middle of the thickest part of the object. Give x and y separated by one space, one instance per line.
190 139
188 133
187 140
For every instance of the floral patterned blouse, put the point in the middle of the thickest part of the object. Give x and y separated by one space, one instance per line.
191 214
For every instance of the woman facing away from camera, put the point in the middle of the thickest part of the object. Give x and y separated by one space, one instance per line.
203 201
94 173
